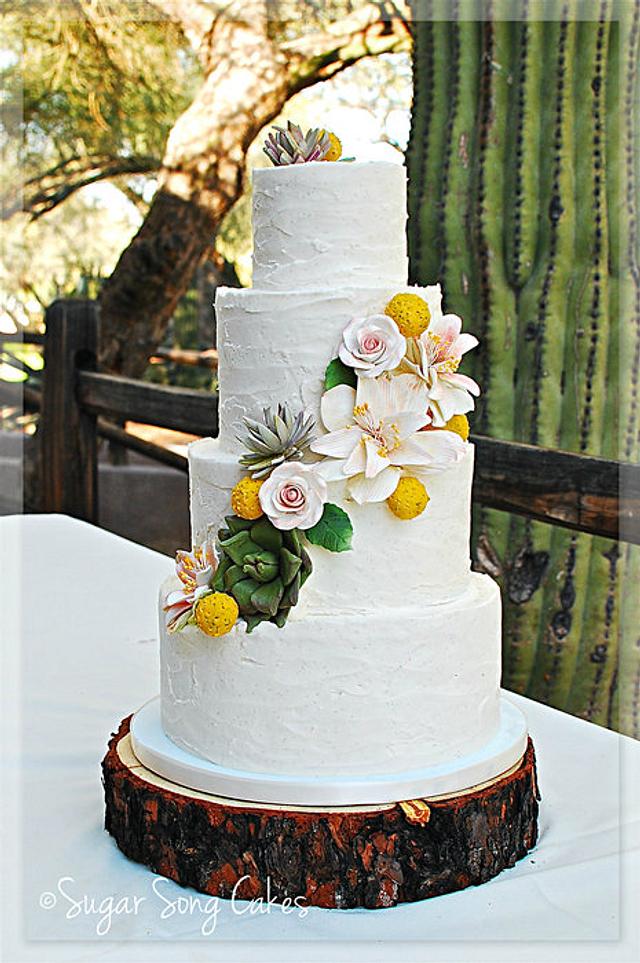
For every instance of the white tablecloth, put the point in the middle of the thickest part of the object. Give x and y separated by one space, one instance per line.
78 610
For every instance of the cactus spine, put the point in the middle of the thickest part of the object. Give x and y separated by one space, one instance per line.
523 203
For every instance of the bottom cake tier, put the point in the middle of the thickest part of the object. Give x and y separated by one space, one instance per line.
376 693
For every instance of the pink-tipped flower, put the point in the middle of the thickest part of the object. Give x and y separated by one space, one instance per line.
374 434
195 570
433 360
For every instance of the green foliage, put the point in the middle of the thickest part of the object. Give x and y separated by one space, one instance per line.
334 531
83 94
338 373
65 254
107 82
520 204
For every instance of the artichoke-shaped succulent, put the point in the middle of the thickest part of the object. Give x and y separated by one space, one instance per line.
262 568
281 436
292 146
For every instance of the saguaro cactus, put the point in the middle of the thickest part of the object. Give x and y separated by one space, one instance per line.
523 203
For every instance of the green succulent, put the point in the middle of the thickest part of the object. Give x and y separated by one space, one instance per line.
262 568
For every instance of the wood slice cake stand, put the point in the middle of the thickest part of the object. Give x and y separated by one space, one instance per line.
335 857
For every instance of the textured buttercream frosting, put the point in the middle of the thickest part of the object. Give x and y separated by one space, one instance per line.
275 347
377 691
329 224
391 659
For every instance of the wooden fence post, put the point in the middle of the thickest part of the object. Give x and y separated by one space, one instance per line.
68 445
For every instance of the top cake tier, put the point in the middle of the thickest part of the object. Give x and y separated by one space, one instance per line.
325 223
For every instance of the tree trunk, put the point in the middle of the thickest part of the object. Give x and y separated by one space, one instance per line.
248 80
201 178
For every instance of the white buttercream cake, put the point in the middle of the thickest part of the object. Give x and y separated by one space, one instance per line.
390 660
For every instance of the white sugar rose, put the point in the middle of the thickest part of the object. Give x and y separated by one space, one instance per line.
372 345
293 496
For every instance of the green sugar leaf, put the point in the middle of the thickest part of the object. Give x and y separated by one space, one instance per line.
338 373
334 531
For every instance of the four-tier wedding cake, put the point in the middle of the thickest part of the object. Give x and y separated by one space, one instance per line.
330 729
327 622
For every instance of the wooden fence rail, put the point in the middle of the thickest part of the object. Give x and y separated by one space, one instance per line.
181 409
14 395
186 356
575 491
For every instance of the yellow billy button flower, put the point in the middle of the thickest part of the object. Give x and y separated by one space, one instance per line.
459 424
245 499
409 499
410 312
216 614
335 151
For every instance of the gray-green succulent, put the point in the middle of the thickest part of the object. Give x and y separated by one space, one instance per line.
280 437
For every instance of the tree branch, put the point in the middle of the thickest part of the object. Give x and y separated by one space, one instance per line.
40 194
134 197
373 30
248 80
376 28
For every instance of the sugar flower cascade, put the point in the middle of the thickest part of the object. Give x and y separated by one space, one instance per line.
393 413
394 409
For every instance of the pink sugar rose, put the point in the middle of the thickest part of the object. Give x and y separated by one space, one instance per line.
372 345
293 496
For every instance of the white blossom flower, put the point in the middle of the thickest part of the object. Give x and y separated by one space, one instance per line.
293 496
372 345
374 433
432 361
195 570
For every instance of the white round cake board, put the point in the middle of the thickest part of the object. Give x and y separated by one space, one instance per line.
158 753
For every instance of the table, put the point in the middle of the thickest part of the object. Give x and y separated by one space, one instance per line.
78 610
